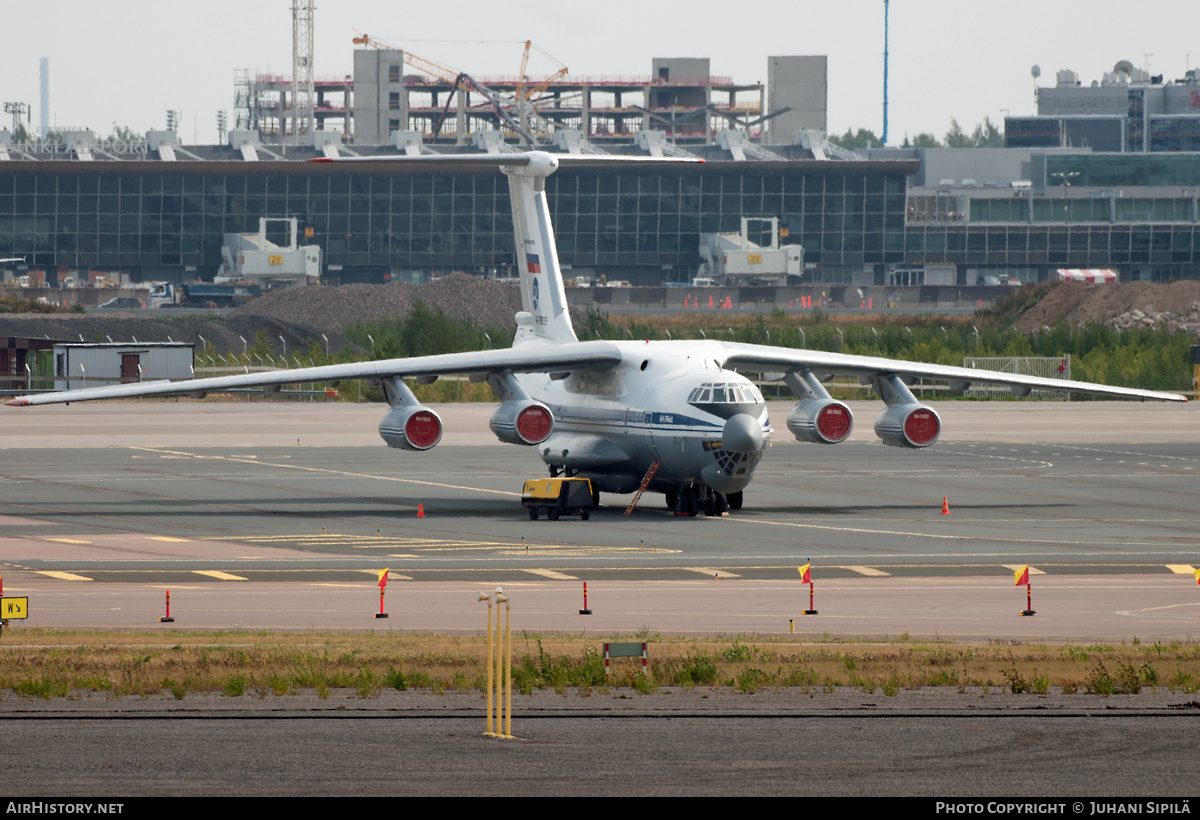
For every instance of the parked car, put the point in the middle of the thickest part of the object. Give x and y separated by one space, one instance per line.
123 302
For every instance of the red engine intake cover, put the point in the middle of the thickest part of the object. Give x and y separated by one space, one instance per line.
922 427
833 423
534 424
423 430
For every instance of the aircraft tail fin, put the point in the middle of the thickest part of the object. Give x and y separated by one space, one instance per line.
542 293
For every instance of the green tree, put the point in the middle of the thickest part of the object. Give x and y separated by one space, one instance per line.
925 140
987 135
956 137
863 138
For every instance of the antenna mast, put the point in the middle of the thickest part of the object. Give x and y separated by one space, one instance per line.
885 69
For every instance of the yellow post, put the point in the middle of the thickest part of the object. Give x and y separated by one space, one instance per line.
499 663
507 670
483 596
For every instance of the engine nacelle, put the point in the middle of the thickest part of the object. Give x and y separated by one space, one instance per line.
411 427
522 421
908 425
824 421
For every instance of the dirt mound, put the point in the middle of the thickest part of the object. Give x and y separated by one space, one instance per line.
1076 303
460 296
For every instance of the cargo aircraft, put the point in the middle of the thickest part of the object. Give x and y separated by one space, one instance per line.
673 417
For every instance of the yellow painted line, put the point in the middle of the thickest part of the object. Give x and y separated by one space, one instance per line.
871 571
220 576
549 573
392 576
62 576
68 541
710 572
395 555
1015 567
931 535
509 493
167 538
1181 569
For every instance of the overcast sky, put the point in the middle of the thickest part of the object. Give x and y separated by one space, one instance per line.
127 61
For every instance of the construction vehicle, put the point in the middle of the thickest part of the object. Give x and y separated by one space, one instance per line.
201 294
557 497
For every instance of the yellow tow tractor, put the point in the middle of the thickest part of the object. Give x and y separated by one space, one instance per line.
558 496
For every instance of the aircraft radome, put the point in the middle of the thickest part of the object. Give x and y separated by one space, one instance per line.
675 415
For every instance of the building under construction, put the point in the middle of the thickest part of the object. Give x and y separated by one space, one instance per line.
156 210
394 91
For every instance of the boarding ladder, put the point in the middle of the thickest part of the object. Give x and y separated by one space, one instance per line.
645 483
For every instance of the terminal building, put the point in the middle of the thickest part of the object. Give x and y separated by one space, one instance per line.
159 211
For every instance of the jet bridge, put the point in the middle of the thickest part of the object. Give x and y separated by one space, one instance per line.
734 256
254 258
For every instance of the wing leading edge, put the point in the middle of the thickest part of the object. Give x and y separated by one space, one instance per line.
523 359
762 357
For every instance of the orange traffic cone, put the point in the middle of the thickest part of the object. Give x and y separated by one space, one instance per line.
945 506
420 510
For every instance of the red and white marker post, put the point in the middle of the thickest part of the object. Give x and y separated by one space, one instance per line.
167 619
806 578
585 610
382 585
1021 576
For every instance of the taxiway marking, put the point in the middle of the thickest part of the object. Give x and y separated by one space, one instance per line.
871 571
551 574
711 572
220 576
246 460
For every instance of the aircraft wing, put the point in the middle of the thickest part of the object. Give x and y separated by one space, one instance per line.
779 359
531 358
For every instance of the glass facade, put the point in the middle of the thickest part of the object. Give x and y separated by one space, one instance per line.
1128 170
144 214
152 215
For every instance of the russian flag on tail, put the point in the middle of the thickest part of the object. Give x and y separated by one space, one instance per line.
535 264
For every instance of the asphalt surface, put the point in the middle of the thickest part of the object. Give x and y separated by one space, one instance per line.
262 515
936 744
281 515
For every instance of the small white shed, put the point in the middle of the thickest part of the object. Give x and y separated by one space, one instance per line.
78 365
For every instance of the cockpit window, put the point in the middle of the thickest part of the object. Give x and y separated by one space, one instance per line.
726 394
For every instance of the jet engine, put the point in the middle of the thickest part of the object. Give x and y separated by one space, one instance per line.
411 427
908 425
522 421
823 421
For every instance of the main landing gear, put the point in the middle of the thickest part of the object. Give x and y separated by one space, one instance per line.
690 500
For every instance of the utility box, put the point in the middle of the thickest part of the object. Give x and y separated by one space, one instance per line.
555 497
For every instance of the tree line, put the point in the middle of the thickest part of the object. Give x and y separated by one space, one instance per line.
985 135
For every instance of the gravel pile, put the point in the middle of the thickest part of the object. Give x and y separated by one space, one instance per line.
1188 320
1078 304
300 315
460 296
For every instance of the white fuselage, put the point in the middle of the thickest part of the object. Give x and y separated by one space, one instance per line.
668 402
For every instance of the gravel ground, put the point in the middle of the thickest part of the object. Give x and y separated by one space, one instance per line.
300 315
1076 303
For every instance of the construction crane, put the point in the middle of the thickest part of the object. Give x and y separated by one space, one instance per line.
444 74
527 114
